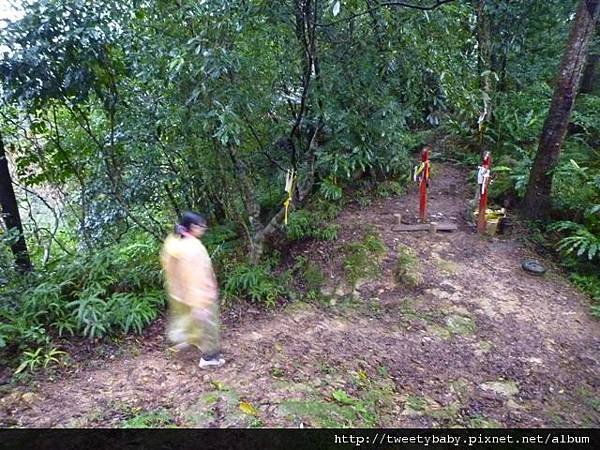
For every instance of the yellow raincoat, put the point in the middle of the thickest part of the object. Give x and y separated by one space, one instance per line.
193 292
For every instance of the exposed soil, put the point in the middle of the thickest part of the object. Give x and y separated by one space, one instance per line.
478 343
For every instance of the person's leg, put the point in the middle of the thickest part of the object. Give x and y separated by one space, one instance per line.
183 329
178 322
211 340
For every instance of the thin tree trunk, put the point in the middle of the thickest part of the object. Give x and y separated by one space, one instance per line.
537 199
484 64
10 212
484 55
590 75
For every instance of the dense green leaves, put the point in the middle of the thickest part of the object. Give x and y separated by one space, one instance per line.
121 115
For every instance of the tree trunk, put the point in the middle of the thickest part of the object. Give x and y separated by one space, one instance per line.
10 212
590 76
537 199
484 64
484 53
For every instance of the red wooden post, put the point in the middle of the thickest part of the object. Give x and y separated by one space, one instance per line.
483 180
423 184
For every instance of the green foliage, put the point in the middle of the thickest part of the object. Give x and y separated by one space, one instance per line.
131 111
255 282
92 295
586 117
362 258
577 184
389 188
343 398
7 238
310 274
407 269
580 240
149 419
363 198
590 284
32 360
510 178
327 211
330 190
306 224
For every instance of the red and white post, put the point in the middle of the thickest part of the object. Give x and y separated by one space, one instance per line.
483 180
423 184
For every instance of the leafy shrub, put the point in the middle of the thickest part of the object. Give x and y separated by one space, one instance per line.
254 282
389 188
304 224
580 241
41 357
7 238
114 290
363 198
326 210
576 187
330 189
509 177
221 238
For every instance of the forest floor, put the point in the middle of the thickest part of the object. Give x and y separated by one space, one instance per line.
480 343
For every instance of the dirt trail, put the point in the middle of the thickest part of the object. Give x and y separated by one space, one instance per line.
479 343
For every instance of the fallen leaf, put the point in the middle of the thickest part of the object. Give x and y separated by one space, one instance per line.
247 408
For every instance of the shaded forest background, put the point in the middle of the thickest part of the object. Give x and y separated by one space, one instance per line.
118 116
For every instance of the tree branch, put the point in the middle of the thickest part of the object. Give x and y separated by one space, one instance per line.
437 4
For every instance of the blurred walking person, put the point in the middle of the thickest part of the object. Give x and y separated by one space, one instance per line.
193 290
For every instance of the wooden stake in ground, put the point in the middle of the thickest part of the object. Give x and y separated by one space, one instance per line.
483 180
422 174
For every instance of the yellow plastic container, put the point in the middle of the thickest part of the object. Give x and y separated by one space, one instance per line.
493 218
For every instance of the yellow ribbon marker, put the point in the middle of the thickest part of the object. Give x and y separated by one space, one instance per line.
289 183
417 171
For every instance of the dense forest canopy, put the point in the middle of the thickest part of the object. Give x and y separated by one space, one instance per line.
117 116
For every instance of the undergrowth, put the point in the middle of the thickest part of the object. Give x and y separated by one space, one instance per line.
407 269
92 295
362 258
254 282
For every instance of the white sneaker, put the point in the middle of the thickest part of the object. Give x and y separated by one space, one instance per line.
215 362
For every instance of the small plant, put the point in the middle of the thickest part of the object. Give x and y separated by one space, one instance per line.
389 188
277 372
590 284
581 241
362 258
33 360
149 419
407 268
254 282
327 210
363 198
304 224
310 273
330 189
343 398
